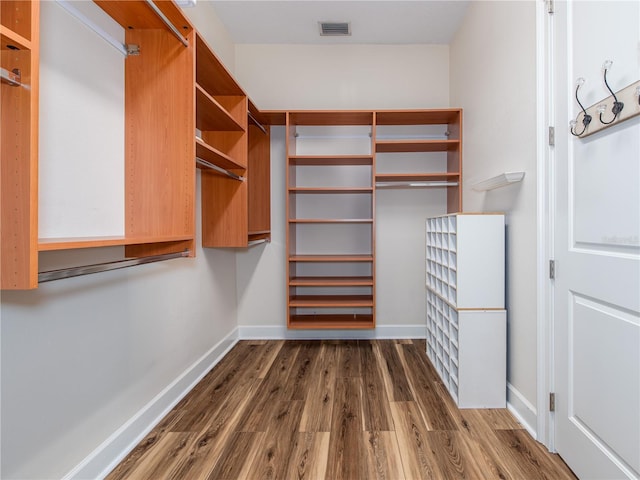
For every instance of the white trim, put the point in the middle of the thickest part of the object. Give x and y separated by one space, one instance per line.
280 332
522 409
545 182
115 448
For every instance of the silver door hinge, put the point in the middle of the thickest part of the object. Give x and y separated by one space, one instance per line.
552 402
550 7
552 136
552 269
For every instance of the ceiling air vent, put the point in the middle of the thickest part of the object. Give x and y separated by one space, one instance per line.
335 29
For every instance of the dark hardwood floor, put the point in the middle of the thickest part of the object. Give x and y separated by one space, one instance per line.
354 410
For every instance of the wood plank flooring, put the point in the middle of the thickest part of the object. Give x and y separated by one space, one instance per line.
335 410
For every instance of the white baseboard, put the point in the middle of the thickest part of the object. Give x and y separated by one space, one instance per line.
113 450
280 332
522 409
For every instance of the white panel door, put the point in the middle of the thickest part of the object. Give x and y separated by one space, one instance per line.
597 246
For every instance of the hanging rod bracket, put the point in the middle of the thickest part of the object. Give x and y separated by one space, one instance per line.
11 77
132 49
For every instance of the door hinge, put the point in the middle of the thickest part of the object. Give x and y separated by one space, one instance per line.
552 269
550 7
552 402
552 136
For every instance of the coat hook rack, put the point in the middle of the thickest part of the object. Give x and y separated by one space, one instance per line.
615 103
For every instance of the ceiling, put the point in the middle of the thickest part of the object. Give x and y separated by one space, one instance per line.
378 21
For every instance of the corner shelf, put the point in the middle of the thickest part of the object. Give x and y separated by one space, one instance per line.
498 181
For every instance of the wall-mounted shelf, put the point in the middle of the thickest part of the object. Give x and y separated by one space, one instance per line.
498 181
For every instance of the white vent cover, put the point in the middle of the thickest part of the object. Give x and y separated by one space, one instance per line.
335 29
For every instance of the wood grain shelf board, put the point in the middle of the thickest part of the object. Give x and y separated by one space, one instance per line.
330 190
212 116
50 244
330 160
400 146
331 281
9 37
215 156
331 258
211 73
272 117
331 117
417 117
330 220
417 177
138 14
344 321
329 301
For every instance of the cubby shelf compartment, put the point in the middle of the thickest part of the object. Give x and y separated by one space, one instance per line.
330 160
331 190
417 177
331 258
331 220
326 301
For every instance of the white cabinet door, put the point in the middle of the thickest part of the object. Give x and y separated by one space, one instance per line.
597 247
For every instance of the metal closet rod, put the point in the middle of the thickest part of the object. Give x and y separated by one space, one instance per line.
105 267
122 48
168 23
256 122
211 166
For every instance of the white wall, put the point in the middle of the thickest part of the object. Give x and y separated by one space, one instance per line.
288 77
204 18
493 78
81 357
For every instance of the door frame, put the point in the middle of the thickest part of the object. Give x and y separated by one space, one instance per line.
545 427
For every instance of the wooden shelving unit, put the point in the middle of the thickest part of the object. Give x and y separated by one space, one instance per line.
333 289
236 208
19 39
428 139
159 174
330 165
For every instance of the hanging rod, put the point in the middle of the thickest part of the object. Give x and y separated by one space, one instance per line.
121 47
416 184
206 164
256 122
253 243
105 267
168 23
11 77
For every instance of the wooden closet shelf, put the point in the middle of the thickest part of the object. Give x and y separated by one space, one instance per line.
331 281
211 116
326 301
211 73
9 37
330 190
399 146
331 258
329 117
215 156
344 321
50 244
330 220
331 160
417 177
413 117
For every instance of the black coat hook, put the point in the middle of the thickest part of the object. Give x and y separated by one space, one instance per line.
586 118
617 106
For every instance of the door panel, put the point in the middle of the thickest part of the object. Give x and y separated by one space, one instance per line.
596 246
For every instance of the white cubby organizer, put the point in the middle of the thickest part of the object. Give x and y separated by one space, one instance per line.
466 319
